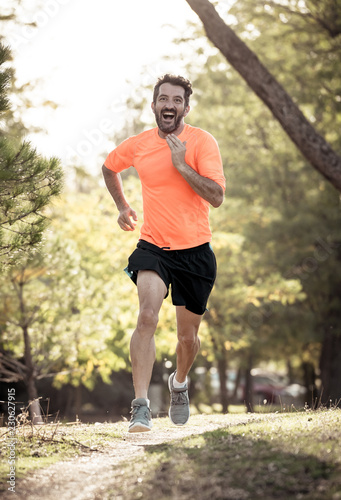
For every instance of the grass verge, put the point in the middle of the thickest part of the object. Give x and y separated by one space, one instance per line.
277 456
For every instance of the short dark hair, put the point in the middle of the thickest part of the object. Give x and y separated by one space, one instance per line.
174 80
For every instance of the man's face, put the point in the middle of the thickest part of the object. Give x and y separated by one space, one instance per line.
170 108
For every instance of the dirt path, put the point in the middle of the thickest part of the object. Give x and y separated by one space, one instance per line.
89 476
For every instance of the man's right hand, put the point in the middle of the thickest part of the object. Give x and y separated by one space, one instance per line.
124 219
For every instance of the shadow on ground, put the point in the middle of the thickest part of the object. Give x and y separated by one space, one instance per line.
225 465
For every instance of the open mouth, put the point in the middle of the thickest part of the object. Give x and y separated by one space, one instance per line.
168 115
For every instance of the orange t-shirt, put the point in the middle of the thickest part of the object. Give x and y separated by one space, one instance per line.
174 215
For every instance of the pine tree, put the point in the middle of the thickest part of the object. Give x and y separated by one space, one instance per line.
27 184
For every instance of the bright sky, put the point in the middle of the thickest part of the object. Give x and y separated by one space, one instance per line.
88 56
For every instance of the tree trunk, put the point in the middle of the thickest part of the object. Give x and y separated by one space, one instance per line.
311 144
330 366
290 372
78 401
222 367
30 378
236 385
68 409
248 384
309 379
35 411
220 357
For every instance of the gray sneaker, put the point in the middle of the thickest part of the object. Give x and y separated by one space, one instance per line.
179 404
141 418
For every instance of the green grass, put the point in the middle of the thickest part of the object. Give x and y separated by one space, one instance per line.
256 456
281 456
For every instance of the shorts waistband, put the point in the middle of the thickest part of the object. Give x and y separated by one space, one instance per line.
155 248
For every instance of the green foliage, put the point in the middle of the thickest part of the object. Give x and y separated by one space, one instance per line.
305 47
5 76
75 333
28 182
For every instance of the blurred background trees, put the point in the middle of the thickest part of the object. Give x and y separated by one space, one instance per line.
277 237
28 182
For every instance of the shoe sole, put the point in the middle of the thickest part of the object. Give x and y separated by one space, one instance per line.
139 428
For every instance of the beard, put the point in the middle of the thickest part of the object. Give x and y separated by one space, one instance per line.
167 127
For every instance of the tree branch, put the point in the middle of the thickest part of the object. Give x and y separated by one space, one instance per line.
311 144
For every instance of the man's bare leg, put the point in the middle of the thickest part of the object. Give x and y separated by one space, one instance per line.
151 291
188 341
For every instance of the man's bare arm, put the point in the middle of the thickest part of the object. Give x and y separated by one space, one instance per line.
204 187
114 185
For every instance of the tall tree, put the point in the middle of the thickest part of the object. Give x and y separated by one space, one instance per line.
311 144
27 184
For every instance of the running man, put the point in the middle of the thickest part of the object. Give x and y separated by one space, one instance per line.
181 174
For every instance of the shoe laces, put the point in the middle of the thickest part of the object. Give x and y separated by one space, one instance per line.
140 408
179 398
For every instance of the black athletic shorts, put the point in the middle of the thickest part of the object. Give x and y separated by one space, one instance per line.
190 272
